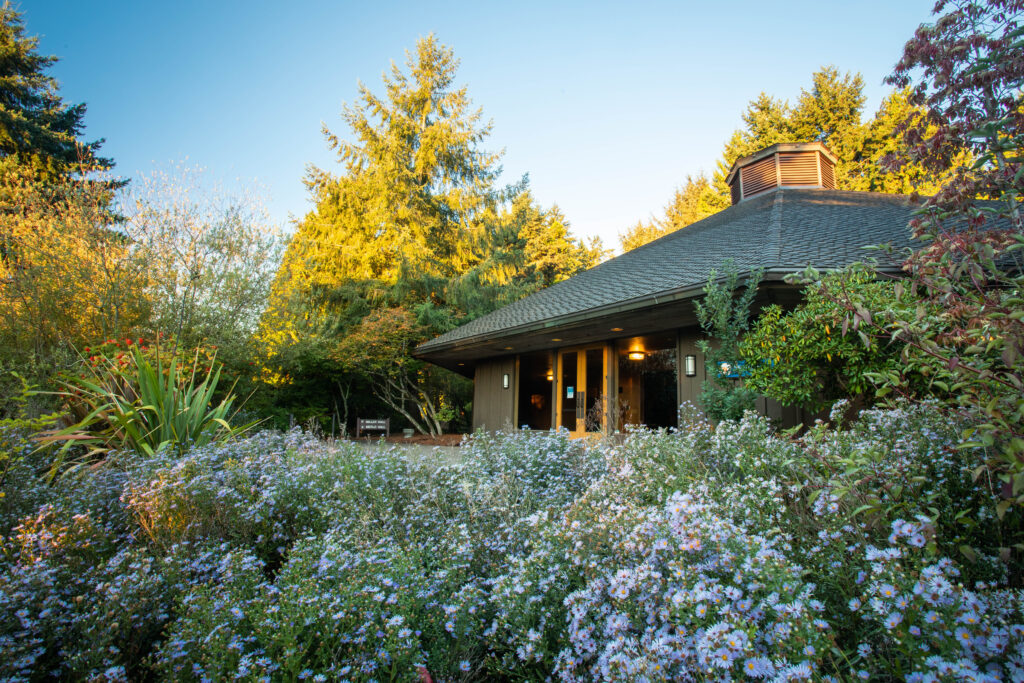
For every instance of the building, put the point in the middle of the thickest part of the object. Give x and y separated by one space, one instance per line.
617 344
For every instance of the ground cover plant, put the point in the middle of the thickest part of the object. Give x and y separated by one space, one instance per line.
703 553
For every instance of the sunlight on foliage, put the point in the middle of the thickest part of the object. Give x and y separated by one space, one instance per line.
691 554
133 403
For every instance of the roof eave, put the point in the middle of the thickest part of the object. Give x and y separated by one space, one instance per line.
663 297
427 349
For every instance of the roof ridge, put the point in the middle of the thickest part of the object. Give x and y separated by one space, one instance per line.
705 223
775 227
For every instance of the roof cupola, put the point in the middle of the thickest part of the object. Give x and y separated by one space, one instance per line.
785 164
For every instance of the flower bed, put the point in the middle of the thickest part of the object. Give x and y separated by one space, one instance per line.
701 554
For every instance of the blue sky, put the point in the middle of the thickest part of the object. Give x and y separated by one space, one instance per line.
606 105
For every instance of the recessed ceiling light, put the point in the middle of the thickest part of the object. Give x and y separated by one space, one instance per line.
616 329
556 339
508 348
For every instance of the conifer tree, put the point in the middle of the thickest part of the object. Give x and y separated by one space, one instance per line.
830 112
37 128
696 199
413 233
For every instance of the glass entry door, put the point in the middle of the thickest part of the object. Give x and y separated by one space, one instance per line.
582 379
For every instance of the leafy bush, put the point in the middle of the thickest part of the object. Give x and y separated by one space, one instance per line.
725 317
969 269
18 458
133 404
705 552
812 356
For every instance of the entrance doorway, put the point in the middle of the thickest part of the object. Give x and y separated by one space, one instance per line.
583 375
648 391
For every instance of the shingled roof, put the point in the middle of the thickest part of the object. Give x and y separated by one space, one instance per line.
781 231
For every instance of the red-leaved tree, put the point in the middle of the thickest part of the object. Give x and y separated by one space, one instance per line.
967 70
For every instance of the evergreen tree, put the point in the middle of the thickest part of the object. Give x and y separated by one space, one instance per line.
550 252
830 112
696 199
37 128
639 234
882 142
414 234
766 121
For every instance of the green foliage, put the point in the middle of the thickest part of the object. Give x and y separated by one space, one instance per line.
414 229
66 276
209 260
725 317
15 430
37 128
131 404
272 554
639 235
883 145
178 261
966 337
380 347
549 252
696 199
830 112
812 356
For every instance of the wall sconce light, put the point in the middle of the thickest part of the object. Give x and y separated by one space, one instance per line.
690 365
550 376
504 381
636 355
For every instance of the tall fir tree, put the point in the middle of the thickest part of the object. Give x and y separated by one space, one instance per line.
830 113
872 156
37 128
694 200
414 233
766 121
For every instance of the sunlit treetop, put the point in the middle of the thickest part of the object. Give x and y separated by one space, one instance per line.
37 127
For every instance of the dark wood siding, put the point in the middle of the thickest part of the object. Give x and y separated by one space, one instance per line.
493 405
759 176
828 176
799 168
689 387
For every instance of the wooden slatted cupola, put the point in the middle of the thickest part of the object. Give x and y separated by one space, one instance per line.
786 164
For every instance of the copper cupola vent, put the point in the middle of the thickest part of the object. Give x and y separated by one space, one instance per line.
786 164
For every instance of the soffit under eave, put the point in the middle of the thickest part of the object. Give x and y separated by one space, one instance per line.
651 319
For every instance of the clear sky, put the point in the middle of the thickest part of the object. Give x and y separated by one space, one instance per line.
606 105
